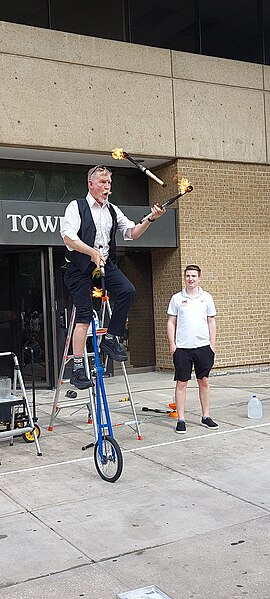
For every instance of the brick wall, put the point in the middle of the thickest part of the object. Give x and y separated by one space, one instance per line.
137 267
224 228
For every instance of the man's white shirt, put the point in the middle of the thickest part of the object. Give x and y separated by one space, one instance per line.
192 326
103 222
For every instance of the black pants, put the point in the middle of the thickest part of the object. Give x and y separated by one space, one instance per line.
79 286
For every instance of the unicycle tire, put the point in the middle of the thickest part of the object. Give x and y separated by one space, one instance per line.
110 469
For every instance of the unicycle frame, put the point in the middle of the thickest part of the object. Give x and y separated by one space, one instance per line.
103 425
108 457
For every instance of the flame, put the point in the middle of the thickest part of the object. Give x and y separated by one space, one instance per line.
184 185
96 292
118 154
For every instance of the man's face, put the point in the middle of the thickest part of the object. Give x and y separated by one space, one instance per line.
192 279
100 186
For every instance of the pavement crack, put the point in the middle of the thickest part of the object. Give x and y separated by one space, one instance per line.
43 576
63 537
207 484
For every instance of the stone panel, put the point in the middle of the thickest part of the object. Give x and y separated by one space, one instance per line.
219 122
47 104
267 119
81 49
266 75
211 69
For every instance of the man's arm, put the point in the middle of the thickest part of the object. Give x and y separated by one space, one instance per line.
78 245
171 326
140 228
211 321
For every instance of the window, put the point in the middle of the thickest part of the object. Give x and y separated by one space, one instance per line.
266 30
88 17
230 29
32 12
164 24
62 183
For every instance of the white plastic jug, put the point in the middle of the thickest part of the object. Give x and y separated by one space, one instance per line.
255 408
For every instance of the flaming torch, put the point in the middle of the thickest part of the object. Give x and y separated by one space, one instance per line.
99 273
97 292
119 154
184 186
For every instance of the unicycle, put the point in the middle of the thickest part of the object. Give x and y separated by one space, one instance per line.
108 457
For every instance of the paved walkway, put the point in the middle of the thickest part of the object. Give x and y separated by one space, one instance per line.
190 513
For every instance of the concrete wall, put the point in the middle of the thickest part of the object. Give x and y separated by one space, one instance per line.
64 91
72 92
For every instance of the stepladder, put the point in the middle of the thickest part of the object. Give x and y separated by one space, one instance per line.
90 362
15 410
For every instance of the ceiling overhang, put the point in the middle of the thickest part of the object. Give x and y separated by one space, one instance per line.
66 157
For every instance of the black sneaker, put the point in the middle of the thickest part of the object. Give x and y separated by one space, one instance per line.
113 349
209 423
79 379
181 427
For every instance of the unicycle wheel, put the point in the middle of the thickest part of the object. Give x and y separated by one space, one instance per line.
110 465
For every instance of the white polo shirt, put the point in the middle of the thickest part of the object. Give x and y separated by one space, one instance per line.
192 326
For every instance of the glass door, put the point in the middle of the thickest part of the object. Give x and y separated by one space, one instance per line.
62 303
22 313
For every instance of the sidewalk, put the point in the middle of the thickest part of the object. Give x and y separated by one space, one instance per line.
190 513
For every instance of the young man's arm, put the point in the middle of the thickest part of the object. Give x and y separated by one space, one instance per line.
212 331
171 327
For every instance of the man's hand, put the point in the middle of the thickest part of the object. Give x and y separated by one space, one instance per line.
171 328
78 245
172 348
97 257
157 211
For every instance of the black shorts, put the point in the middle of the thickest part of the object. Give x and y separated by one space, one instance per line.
202 358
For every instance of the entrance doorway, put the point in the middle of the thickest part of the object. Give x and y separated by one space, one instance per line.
22 313
63 304
35 308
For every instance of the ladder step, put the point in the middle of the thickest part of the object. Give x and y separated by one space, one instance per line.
99 332
69 404
125 423
89 354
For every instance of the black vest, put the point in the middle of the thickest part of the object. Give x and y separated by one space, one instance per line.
87 233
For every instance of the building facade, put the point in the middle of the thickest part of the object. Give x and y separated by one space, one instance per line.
67 101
